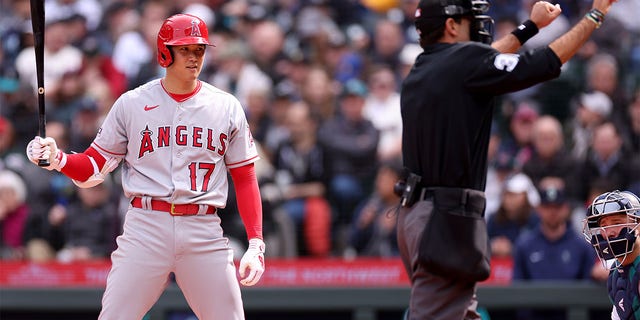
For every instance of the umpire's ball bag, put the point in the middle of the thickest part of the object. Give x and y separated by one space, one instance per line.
454 241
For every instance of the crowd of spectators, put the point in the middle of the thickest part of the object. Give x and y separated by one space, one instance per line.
319 82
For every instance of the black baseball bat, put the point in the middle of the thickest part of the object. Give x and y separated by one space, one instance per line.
37 22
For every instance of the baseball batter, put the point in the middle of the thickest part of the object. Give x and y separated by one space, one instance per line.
176 138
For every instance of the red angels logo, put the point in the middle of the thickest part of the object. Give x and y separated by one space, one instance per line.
146 144
195 31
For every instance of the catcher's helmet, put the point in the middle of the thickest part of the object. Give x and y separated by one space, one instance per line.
617 240
431 14
180 29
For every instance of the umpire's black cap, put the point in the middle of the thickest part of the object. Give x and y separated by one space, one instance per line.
431 14
443 8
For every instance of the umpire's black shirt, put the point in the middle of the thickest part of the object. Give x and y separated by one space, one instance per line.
447 106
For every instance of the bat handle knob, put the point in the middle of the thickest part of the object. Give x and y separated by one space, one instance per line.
43 162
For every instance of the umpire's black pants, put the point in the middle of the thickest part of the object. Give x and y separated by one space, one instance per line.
432 297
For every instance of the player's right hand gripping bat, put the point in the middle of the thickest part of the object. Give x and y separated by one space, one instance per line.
37 22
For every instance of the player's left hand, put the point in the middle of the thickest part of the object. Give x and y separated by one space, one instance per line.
253 260
46 148
543 13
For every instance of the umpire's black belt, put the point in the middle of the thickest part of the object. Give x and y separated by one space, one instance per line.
447 196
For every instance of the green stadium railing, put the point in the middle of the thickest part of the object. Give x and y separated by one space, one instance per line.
362 303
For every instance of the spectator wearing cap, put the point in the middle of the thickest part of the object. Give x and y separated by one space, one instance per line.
514 215
293 71
553 250
592 109
517 142
77 31
284 96
84 125
351 142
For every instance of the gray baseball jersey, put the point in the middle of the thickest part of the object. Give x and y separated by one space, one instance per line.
178 152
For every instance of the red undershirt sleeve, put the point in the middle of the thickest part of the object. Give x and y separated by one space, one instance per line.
79 166
248 199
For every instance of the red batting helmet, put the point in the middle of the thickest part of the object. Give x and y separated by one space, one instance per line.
177 30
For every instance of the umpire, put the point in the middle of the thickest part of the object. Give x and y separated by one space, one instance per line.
447 105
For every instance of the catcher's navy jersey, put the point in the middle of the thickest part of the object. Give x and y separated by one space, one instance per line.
447 106
623 285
